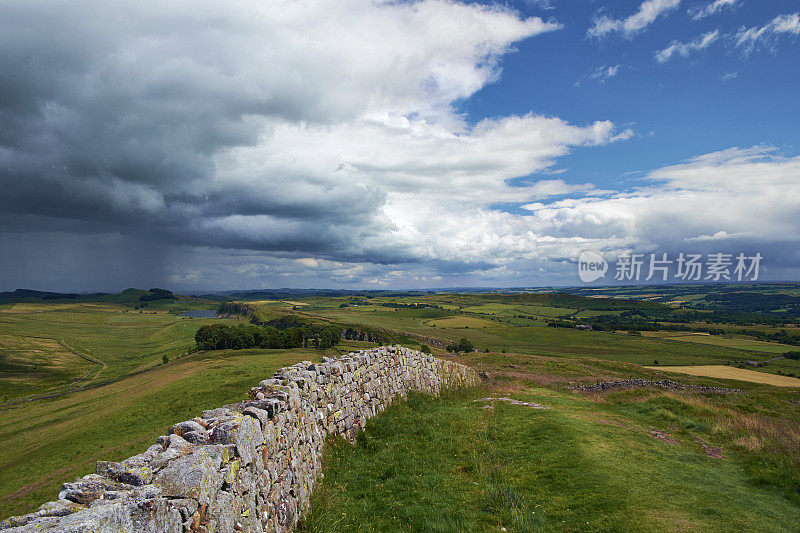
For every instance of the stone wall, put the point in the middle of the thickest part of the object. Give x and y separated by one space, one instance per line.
249 466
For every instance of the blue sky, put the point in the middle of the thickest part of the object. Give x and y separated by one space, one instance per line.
202 145
712 100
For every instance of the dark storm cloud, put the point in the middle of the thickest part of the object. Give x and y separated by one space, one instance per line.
112 115
116 116
153 121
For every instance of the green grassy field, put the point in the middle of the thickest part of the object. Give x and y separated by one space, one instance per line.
503 309
47 442
738 342
589 462
580 465
535 337
458 322
41 345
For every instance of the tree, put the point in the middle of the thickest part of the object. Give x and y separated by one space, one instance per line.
329 336
157 294
424 348
464 345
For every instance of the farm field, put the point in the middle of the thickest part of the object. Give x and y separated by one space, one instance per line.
726 372
740 343
533 336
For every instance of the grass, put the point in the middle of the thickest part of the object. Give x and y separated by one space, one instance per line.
47 442
461 322
30 364
518 323
454 465
587 463
535 337
740 343
503 309
45 347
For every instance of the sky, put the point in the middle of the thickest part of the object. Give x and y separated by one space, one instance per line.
255 144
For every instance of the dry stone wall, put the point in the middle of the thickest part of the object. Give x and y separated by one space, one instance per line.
250 466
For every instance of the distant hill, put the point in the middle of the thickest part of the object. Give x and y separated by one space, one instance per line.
24 295
277 294
127 296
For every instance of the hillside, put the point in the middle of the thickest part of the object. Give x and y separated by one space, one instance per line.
461 463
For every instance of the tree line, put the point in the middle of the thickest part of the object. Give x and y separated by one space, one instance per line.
286 332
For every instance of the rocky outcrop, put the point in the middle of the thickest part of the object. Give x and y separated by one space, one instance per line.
664 384
233 309
250 466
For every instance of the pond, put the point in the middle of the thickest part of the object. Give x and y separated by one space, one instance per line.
200 313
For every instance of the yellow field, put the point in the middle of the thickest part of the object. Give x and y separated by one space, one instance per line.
461 322
727 372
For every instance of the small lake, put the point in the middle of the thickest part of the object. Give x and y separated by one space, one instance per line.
201 313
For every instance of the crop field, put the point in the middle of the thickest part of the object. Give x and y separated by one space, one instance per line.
726 372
